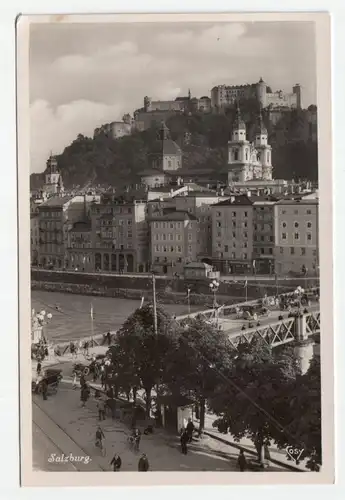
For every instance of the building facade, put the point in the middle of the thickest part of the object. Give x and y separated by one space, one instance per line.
232 235
297 236
34 238
115 130
120 238
173 240
264 234
223 96
79 255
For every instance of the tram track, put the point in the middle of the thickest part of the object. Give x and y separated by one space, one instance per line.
80 450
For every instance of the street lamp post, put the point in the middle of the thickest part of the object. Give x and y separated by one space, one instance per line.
214 286
188 299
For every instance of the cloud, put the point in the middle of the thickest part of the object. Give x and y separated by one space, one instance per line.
53 129
84 75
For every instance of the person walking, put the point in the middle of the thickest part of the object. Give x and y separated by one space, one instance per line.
190 429
143 464
137 438
39 368
75 380
241 461
101 409
44 389
184 440
116 462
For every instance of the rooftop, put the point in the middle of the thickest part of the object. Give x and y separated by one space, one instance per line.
56 202
298 201
235 200
171 148
81 227
173 215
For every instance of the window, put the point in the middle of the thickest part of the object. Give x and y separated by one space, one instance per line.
233 255
246 214
271 238
129 222
178 237
218 224
292 250
281 249
245 244
262 238
169 163
302 251
283 236
245 235
190 249
296 236
255 227
244 256
234 243
234 214
309 225
171 225
283 224
234 235
164 237
234 224
165 249
270 250
309 236
179 249
171 237
308 212
226 248
219 234
171 249
236 155
283 212
245 224
218 214
296 224
262 250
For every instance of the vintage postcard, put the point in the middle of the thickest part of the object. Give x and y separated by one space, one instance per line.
175 249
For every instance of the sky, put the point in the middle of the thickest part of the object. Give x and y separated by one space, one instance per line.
85 75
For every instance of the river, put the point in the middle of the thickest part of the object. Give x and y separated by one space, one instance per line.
72 319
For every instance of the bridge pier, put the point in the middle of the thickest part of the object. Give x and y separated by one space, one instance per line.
304 347
304 352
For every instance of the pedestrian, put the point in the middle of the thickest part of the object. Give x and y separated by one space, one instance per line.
102 378
241 461
190 429
184 440
86 348
39 368
84 394
116 462
101 409
75 380
44 389
82 380
137 438
109 338
143 464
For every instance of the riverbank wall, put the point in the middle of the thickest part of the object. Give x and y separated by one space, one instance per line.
169 290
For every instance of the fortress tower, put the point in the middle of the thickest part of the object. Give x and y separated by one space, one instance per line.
261 90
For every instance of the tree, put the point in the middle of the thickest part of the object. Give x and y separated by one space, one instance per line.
303 419
195 365
139 355
254 398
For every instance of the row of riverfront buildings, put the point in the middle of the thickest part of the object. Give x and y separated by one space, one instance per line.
166 229
249 223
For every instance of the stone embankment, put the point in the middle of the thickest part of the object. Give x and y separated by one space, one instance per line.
169 290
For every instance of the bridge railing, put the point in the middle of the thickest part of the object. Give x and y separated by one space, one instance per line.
231 309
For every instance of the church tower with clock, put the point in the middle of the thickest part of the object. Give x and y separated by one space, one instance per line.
248 161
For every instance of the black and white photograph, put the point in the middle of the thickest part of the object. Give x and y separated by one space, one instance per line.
173 246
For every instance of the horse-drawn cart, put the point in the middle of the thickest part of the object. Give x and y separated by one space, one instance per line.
51 379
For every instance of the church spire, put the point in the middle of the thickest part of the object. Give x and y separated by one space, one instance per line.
163 132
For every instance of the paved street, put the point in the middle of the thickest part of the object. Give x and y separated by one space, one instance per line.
79 425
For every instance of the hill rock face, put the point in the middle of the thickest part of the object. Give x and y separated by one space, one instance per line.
203 139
